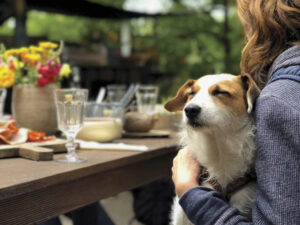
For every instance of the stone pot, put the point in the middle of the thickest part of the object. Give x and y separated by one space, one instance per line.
139 122
33 107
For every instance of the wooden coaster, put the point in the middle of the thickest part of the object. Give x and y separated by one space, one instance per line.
150 134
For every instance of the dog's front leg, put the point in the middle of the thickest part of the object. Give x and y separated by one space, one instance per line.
178 216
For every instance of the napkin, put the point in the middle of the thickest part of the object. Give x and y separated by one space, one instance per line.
92 145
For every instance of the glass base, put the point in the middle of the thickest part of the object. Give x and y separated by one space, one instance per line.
70 160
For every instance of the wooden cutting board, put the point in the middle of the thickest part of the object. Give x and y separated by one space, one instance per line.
150 134
38 151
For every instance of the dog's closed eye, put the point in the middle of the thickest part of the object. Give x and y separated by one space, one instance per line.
218 92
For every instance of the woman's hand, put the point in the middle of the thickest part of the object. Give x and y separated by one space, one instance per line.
186 171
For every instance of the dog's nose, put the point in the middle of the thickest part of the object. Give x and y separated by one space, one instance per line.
191 111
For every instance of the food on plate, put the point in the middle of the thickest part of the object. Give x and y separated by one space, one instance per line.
10 134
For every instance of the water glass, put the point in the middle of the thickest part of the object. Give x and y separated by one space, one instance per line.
2 101
115 92
146 96
70 105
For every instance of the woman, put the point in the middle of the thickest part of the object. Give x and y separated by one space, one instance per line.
272 57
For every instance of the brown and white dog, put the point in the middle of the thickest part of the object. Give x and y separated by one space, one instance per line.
219 130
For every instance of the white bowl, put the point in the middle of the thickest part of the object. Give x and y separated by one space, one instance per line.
101 129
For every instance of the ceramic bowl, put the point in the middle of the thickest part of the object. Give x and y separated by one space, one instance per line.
103 122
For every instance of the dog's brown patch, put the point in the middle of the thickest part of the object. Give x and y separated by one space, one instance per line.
184 94
235 99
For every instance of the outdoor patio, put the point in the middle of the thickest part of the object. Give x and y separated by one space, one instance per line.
85 138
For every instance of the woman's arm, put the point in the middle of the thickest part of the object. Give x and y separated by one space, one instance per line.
202 205
185 172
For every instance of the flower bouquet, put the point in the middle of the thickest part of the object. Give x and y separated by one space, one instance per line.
34 72
37 65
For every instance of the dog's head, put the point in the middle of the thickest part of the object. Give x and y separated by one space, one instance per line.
215 100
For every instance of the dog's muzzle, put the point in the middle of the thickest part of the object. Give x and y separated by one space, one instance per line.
192 113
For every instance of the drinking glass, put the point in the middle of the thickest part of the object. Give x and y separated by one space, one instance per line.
2 101
115 92
70 105
146 96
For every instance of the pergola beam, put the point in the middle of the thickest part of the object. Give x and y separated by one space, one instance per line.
20 12
84 8
6 11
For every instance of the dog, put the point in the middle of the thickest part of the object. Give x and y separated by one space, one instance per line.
218 128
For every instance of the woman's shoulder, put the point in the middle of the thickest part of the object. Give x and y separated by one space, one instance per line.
283 92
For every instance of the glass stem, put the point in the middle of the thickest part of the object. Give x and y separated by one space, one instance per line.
71 146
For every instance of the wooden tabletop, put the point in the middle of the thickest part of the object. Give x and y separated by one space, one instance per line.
32 191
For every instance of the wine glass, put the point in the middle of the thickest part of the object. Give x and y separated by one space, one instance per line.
70 105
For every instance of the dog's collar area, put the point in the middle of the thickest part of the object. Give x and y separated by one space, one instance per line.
232 187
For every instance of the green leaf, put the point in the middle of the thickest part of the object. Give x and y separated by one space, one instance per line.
2 49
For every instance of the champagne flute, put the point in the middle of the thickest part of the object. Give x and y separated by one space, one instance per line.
70 105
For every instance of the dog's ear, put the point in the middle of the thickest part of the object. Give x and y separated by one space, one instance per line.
251 89
178 102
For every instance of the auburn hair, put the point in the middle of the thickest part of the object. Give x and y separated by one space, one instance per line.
271 26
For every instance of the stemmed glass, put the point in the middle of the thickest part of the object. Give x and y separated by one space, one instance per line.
70 105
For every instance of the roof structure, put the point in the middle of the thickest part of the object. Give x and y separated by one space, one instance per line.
73 8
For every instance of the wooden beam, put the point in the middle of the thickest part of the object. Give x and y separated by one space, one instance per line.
5 11
20 13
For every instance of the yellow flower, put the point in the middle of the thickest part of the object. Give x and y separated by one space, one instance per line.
32 59
48 45
18 64
23 52
7 77
11 52
35 50
65 70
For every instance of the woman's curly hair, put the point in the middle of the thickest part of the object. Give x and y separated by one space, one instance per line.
271 26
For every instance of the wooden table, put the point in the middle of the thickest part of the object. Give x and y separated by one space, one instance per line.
32 192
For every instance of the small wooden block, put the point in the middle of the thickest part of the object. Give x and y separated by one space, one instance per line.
36 153
40 151
58 145
9 151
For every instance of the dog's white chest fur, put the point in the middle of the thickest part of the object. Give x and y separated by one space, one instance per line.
226 157
219 130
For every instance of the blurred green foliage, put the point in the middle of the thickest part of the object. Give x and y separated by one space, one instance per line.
187 46
192 45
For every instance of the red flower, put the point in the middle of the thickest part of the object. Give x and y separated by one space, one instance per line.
48 72
42 81
11 64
